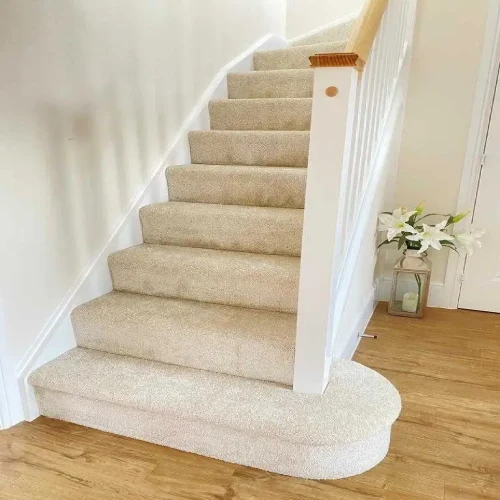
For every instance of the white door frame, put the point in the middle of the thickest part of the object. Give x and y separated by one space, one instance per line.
481 111
11 409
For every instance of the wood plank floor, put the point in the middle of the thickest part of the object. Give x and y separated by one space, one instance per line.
446 444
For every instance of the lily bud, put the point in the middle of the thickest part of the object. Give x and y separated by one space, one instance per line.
420 208
459 217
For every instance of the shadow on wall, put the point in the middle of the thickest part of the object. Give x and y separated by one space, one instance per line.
87 112
92 94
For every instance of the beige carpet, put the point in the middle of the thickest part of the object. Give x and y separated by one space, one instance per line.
194 348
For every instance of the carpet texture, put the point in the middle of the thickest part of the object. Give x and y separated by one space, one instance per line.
235 278
235 340
293 57
276 231
280 187
261 114
250 147
194 347
294 83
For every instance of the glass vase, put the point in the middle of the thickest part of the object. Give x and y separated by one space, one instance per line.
410 285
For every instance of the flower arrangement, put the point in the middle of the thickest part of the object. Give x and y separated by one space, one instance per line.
407 229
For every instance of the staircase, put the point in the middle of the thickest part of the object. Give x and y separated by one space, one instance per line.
195 346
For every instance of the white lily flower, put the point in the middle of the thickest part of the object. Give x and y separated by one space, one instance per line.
431 236
396 223
469 240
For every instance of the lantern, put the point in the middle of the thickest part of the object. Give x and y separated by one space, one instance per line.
410 285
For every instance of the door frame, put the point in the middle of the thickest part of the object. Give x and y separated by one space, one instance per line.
481 111
11 408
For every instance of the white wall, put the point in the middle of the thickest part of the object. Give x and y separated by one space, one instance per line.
448 46
447 50
92 93
303 16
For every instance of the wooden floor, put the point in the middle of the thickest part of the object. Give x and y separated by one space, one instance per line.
446 444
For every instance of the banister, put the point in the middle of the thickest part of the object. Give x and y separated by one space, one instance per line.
352 126
360 42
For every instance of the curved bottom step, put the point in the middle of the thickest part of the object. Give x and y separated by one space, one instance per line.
194 436
260 424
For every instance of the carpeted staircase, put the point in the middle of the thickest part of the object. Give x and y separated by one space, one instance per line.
194 348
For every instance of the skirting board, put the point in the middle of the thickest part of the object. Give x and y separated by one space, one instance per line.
437 295
359 326
57 336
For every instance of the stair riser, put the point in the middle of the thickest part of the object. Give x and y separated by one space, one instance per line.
235 341
261 114
274 84
220 442
285 149
250 186
239 229
245 281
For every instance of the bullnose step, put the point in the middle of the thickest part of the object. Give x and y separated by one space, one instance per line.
257 281
273 148
250 422
274 231
225 339
281 187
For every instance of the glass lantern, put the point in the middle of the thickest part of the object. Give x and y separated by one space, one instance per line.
410 285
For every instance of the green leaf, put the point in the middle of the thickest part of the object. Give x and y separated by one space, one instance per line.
449 244
401 242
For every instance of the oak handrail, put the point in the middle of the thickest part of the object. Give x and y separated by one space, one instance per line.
360 42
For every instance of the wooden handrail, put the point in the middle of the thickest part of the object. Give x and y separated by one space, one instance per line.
360 42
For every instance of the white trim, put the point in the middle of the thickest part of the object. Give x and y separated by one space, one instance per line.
11 410
57 336
339 22
330 139
483 102
354 337
372 190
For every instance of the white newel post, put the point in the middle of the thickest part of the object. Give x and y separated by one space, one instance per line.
329 158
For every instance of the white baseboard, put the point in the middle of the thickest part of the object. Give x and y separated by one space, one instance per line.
359 326
437 293
57 335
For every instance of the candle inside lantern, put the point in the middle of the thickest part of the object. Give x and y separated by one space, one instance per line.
410 302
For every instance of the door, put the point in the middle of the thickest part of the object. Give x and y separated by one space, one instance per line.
481 285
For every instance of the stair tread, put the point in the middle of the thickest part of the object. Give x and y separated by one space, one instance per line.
235 340
358 402
289 148
268 230
238 185
294 57
219 276
288 83
261 114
